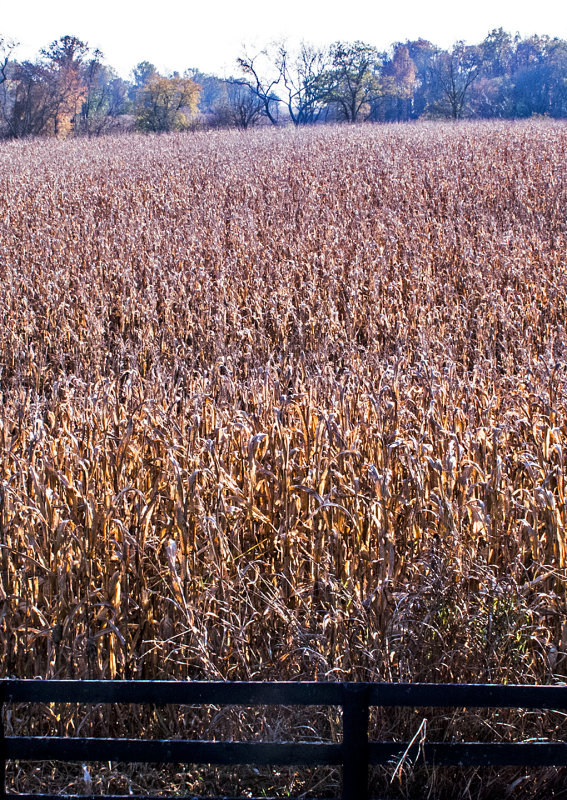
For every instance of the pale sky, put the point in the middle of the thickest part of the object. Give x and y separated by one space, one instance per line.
178 34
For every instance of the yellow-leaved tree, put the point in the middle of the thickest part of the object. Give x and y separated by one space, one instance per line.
166 104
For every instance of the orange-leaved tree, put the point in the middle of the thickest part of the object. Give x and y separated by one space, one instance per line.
65 61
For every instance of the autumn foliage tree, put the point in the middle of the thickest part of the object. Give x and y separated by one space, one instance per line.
166 103
46 95
403 72
65 61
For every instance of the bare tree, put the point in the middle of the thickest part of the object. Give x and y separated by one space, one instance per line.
33 101
243 108
263 88
454 74
303 78
6 48
91 117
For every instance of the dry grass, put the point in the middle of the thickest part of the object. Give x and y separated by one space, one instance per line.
288 405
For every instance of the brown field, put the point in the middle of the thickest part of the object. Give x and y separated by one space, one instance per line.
283 405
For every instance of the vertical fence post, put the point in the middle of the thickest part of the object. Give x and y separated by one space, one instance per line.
2 742
355 742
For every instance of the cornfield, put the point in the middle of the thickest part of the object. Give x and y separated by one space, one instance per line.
288 405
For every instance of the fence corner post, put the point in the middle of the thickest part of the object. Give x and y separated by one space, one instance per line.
355 741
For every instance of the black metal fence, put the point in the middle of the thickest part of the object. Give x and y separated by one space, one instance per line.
354 754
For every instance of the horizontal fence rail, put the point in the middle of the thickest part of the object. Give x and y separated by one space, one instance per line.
354 754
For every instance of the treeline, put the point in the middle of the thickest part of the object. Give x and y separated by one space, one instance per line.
69 89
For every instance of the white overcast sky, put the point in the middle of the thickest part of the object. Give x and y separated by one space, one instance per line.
209 34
